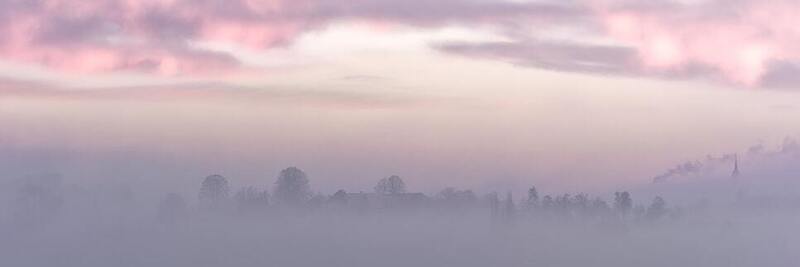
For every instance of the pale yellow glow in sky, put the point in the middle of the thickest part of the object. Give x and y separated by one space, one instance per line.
374 103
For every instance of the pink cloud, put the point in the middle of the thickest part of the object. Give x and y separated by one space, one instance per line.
145 36
250 35
737 39
155 36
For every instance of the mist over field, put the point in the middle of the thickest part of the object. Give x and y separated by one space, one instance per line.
722 211
382 133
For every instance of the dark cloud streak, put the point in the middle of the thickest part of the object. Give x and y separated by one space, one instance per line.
570 57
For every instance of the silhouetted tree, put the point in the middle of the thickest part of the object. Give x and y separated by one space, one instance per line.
657 209
533 198
581 206
563 206
548 204
599 207
171 208
452 198
446 194
292 188
340 198
390 185
623 203
250 198
214 189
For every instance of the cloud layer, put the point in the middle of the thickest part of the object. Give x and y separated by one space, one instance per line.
161 36
741 41
748 43
745 42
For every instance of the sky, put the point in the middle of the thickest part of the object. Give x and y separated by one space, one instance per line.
569 95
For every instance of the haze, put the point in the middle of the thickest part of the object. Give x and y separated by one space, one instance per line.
109 107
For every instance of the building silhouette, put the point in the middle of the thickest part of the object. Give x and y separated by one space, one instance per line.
735 173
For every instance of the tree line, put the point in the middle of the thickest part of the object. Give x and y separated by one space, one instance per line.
292 191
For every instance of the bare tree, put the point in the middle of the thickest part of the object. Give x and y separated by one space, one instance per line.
390 185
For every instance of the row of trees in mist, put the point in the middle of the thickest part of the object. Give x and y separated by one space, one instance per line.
582 206
292 192
42 199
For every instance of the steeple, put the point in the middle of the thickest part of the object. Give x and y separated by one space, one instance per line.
735 173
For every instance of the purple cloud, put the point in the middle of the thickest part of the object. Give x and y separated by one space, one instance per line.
155 36
739 41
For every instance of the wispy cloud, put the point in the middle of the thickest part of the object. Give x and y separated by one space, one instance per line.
221 93
560 56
